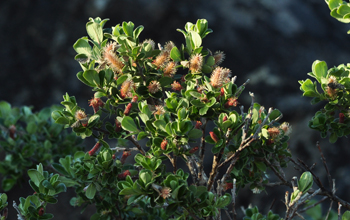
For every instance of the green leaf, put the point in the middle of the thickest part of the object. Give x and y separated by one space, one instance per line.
129 124
224 200
175 54
141 135
95 31
31 127
334 3
195 133
203 110
138 31
196 39
82 46
346 215
309 88
5 109
305 182
8 184
92 77
35 176
319 69
128 28
90 191
121 79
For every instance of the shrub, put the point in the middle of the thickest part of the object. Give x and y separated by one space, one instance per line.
164 105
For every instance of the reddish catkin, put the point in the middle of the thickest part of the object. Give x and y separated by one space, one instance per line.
125 155
127 109
95 148
124 174
198 125
231 102
228 186
224 119
222 92
118 125
12 131
164 144
176 86
41 211
193 150
134 99
125 90
214 137
196 62
96 104
341 118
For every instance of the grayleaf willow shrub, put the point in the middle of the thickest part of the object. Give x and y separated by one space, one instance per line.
165 96
168 104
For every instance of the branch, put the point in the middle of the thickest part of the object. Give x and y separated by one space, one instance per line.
132 139
201 154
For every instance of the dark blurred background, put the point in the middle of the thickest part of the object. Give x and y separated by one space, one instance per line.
271 42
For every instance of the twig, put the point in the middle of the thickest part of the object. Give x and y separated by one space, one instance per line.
325 164
201 154
137 145
329 210
119 149
339 207
227 214
313 205
19 215
233 192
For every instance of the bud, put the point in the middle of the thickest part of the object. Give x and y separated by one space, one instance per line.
228 186
113 61
95 148
176 86
124 174
196 62
12 131
125 155
341 118
214 137
113 157
274 132
81 117
219 76
134 99
164 144
231 102
287 129
165 192
161 59
150 42
41 211
125 90
153 87
198 125
193 150
127 109
224 119
222 92
159 110
169 69
96 103
118 125
169 46
219 57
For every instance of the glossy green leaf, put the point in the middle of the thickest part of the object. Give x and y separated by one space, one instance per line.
35 176
90 191
94 31
305 182
82 46
319 69
175 54
346 215
129 124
